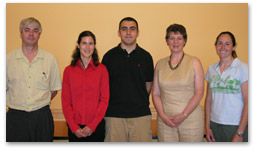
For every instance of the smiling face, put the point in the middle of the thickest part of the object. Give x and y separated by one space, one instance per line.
87 47
30 35
175 41
128 32
224 46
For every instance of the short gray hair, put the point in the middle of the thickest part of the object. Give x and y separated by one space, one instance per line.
30 21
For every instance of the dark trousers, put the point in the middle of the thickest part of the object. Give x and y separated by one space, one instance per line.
225 133
35 126
97 136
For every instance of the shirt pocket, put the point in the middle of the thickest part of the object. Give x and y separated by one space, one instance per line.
42 82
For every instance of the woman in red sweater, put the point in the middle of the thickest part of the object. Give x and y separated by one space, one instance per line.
85 92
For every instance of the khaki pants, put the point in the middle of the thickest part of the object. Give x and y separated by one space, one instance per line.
128 129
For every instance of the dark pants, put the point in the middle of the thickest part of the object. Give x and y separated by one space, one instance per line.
35 126
225 133
97 136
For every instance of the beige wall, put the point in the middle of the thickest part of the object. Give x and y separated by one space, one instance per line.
62 24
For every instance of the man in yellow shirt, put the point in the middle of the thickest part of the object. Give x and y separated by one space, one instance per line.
32 81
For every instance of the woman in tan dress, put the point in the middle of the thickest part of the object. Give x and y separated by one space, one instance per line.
178 87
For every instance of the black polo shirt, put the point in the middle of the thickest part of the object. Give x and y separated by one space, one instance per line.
128 74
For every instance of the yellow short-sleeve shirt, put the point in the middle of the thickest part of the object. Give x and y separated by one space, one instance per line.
29 85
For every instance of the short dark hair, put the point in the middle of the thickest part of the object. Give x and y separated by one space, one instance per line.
128 19
77 55
177 28
232 38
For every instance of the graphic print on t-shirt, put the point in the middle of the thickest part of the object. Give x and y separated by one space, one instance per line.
227 85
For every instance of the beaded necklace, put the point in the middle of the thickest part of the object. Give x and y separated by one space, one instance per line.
169 62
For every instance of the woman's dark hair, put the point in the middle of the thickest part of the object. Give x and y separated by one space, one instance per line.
232 38
77 55
177 28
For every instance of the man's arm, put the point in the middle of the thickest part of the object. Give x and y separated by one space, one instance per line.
53 94
148 87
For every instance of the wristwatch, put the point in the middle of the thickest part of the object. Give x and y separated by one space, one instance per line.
239 134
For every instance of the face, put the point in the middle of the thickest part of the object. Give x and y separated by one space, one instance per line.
224 46
175 42
128 32
86 47
30 35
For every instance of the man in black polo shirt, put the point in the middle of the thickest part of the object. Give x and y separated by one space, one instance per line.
128 117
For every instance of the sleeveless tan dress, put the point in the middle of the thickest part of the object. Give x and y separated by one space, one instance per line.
177 87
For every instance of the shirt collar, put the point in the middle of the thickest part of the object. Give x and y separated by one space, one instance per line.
124 50
90 64
235 63
20 54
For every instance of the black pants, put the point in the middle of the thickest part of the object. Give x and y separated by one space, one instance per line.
97 136
35 126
